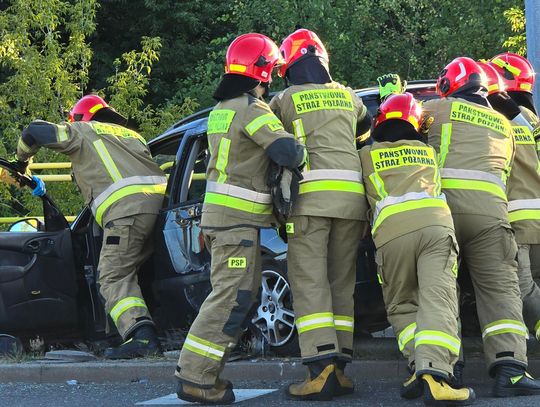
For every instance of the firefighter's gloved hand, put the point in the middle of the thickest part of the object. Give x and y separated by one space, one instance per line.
390 84
40 189
426 124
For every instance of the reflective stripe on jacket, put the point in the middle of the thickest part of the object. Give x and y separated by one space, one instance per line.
403 187
475 151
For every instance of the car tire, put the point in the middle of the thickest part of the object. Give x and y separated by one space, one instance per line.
274 316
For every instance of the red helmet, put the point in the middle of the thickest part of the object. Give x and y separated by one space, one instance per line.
86 108
495 83
458 73
254 55
401 107
298 44
515 70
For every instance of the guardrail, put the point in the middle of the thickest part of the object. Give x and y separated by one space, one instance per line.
68 178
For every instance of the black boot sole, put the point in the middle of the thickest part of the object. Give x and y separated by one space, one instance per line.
343 391
515 392
191 399
413 391
432 402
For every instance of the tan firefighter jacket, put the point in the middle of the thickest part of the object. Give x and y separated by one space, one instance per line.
323 117
524 188
111 165
243 136
403 187
475 150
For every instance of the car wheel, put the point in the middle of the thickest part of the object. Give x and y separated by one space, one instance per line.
274 317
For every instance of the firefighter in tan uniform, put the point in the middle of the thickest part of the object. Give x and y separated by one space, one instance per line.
329 215
523 191
124 187
244 137
475 151
416 249
518 77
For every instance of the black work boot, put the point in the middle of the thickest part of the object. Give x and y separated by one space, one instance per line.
220 393
143 342
438 392
457 379
344 384
413 387
320 383
513 380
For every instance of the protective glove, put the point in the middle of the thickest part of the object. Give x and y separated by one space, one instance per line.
390 84
40 189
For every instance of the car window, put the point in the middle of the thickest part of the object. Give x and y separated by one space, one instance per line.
165 155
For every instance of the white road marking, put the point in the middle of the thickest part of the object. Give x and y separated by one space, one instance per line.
173 400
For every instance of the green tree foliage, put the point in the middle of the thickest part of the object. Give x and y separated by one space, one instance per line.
159 60
516 43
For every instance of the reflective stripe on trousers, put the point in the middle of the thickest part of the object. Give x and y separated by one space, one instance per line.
204 348
406 336
315 321
125 187
505 326
524 209
123 305
344 323
437 338
453 178
239 198
332 180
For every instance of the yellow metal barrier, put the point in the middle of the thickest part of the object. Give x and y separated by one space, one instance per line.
68 178
14 219
49 166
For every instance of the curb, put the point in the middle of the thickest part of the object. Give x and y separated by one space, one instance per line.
162 372
376 359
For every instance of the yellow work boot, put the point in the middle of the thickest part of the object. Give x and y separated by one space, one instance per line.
437 392
219 394
412 388
344 384
319 385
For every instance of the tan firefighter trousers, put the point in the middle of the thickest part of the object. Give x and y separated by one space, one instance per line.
127 244
418 273
530 292
321 261
489 250
235 277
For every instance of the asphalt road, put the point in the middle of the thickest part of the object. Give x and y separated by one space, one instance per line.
369 393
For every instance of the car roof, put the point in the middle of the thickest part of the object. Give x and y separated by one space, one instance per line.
422 90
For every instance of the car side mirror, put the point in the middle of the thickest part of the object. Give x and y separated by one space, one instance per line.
27 225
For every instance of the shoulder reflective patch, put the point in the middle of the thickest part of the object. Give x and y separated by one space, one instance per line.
269 119
322 99
387 158
522 135
62 132
463 112
237 262
289 228
117 131
220 121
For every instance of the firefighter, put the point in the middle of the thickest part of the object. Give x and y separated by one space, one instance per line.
124 187
518 77
523 191
329 215
417 251
244 137
475 151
